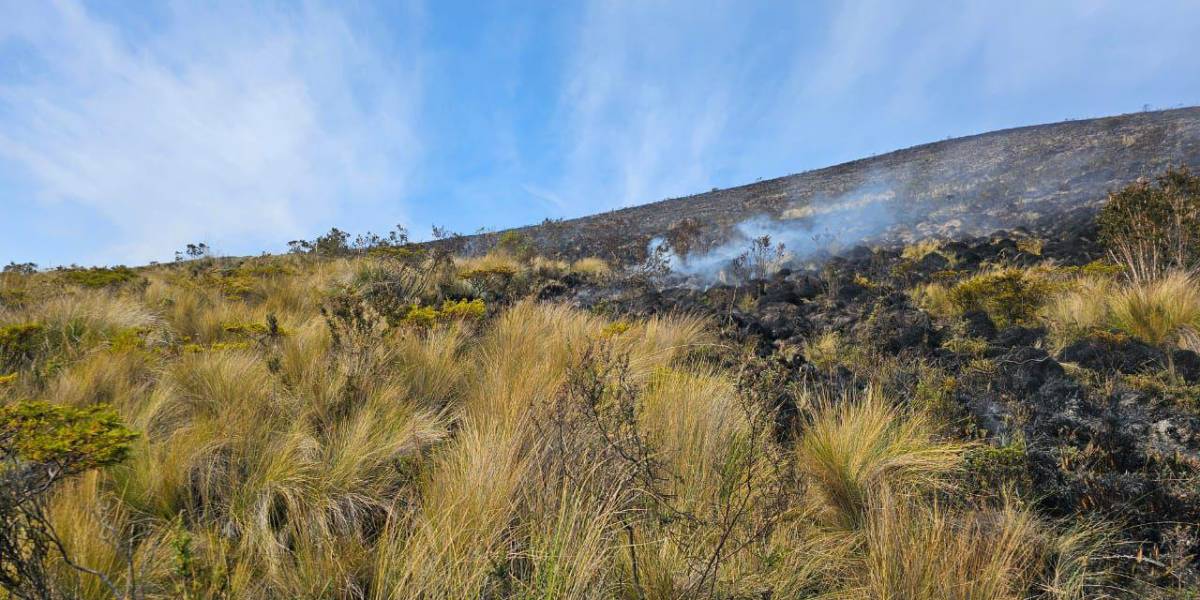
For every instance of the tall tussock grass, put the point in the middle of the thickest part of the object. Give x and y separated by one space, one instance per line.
301 439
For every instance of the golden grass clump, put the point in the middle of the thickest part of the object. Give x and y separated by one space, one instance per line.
856 449
1080 309
595 268
920 249
1158 312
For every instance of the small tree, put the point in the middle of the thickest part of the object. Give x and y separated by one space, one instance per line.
1152 228
394 239
333 243
27 268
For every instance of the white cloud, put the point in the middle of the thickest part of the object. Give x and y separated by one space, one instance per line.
238 126
668 98
648 95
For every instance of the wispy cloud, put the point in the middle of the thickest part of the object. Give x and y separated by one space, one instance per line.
646 102
241 126
667 98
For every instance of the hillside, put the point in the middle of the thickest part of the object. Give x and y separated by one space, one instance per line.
1038 177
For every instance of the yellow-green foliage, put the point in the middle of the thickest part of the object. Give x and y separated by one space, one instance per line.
921 249
20 342
84 438
1031 246
489 265
934 298
515 244
462 309
127 340
971 346
450 310
1010 296
1100 268
615 328
100 277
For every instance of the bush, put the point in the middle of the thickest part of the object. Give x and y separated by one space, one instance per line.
1010 296
516 245
594 268
20 343
761 260
100 277
1151 228
451 310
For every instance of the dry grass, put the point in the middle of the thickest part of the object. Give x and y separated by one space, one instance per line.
856 449
1079 310
450 462
595 268
1159 312
920 249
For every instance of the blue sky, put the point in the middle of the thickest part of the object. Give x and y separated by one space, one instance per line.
128 129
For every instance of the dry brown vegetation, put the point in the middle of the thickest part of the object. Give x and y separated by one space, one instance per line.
306 435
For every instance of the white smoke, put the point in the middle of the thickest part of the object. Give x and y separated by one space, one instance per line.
819 226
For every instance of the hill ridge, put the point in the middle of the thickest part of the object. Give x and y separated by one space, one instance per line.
1034 176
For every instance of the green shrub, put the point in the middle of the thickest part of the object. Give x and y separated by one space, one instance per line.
74 439
1151 228
1010 296
989 468
100 277
462 309
41 444
421 316
20 343
451 310
516 244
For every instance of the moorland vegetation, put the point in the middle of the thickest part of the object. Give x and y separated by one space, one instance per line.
377 419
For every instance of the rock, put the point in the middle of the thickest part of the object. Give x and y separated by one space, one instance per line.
720 295
806 287
778 292
1113 353
1187 365
848 291
780 320
893 330
552 290
979 324
1016 335
1025 369
931 263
